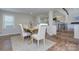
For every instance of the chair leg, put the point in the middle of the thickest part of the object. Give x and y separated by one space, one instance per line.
38 43
44 42
22 38
32 40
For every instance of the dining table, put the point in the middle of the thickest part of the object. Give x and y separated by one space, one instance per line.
32 30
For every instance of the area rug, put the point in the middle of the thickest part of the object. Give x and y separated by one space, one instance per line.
20 45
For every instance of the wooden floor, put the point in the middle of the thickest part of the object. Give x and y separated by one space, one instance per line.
5 44
64 42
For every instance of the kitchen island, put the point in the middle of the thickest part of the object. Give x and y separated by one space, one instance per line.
76 31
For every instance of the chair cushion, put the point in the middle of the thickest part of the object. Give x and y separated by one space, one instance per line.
26 34
35 36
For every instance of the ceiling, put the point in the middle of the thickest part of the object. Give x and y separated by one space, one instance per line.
73 12
33 11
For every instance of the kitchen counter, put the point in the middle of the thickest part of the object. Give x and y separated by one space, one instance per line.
76 31
10 32
2 34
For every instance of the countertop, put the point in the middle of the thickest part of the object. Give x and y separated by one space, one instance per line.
10 32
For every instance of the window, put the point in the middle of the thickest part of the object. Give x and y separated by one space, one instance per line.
44 20
8 21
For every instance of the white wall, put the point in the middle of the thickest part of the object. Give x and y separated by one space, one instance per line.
74 20
71 19
19 17
0 21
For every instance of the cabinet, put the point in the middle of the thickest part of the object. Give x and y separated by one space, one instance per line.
76 31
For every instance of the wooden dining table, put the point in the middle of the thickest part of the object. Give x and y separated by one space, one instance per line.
31 29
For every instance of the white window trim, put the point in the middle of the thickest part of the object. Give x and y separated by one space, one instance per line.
4 20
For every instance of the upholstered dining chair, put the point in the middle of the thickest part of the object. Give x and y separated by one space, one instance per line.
23 33
41 34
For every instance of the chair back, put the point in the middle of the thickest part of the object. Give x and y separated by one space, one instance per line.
22 30
42 31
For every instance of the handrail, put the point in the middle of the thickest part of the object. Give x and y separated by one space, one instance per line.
65 11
